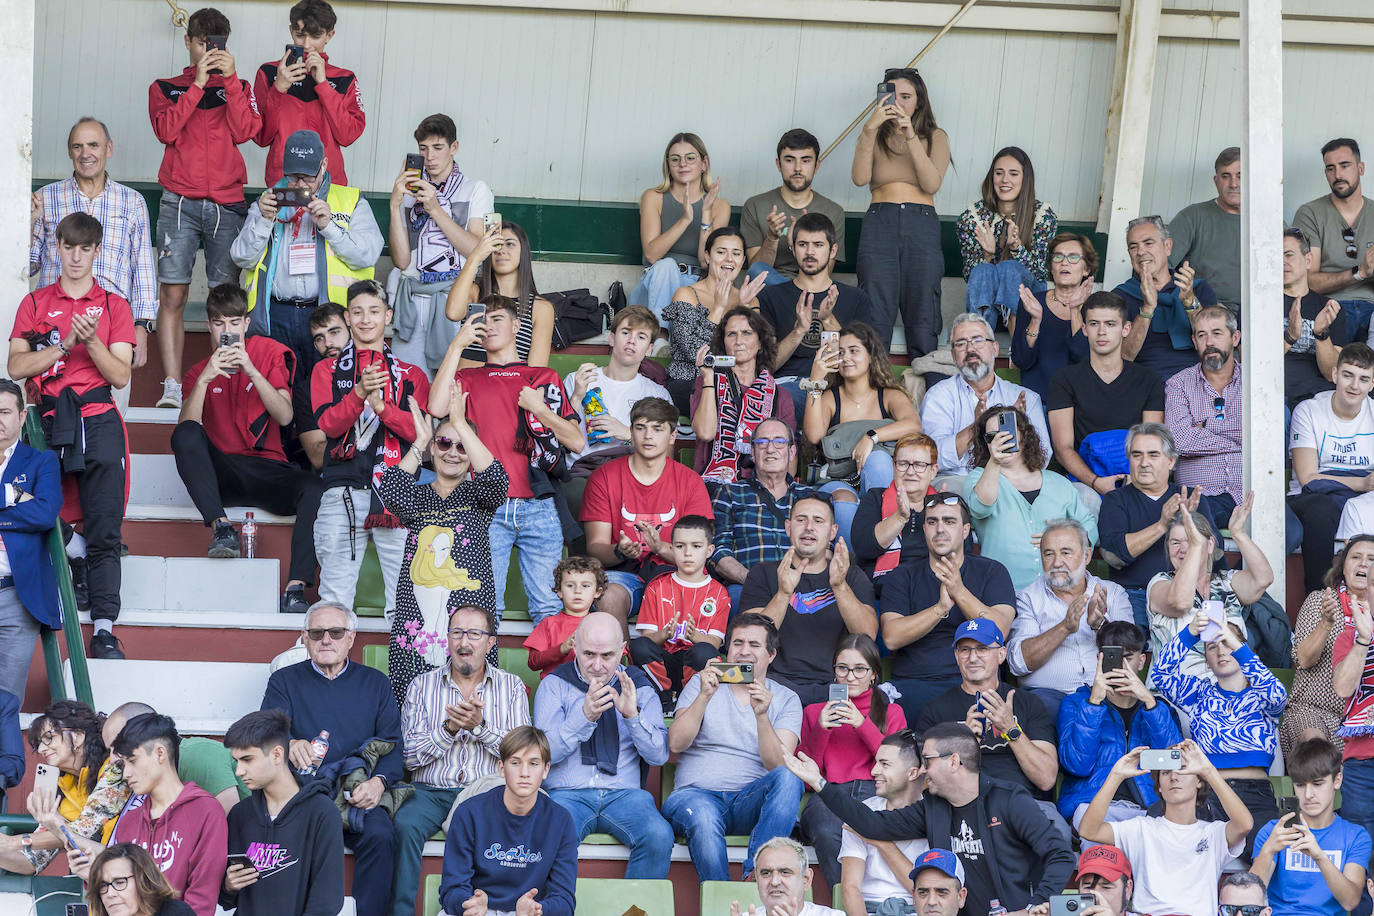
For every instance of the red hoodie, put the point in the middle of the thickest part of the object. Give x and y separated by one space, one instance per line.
333 109
189 842
202 129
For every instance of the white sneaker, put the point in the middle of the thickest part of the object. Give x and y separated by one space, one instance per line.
171 394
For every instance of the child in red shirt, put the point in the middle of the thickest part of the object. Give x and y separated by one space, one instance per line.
578 582
682 617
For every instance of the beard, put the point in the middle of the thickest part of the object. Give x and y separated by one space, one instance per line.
1213 359
975 373
1066 578
1347 192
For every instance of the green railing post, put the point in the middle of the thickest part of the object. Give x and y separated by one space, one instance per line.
71 622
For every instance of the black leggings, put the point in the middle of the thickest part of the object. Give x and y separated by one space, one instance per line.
1320 515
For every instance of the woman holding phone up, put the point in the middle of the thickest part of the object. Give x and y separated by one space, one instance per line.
902 156
501 264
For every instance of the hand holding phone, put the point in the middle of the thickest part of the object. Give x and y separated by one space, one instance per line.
887 94
734 673
1216 619
1170 758
1111 658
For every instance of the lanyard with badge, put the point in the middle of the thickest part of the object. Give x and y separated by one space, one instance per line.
300 256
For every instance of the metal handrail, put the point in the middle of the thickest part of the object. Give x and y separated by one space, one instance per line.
71 622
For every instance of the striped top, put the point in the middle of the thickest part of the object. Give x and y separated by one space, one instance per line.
452 761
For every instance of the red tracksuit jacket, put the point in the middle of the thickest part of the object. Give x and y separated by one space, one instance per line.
202 130
333 109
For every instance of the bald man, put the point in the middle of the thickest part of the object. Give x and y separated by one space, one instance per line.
603 720
203 761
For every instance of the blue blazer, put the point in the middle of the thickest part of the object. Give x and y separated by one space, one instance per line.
11 742
24 530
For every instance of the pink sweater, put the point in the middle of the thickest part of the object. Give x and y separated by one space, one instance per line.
845 753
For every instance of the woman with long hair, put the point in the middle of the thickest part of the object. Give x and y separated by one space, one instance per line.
448 554
1011 498
728 403
859 386
696 309
902 155
1314 710
1005 236
501 264
675 220
1049 333
91 790
125 881
843 736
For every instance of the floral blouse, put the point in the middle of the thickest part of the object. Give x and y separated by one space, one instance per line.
689 330
1034 252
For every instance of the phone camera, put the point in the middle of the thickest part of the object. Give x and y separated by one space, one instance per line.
1071 906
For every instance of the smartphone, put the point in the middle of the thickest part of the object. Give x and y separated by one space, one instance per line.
293 197
490 220
887 94
1289 805
1216 613
228 340
1171 758
732 673
1006 423
45 778
241 858
1111 658
78 909
1071 904
71 840
415 166
475 308
839 693
294 53
215 43
978 701
829 337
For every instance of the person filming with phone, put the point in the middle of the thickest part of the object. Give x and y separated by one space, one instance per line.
308 239
1103 874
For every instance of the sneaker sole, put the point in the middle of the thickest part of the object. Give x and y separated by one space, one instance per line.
223 553
168 402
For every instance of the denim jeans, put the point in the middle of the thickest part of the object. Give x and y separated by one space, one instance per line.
791 384
1140 609
822 828
184 225
877 472
767 807
531 527
1219 507
900 266
775 276
1357 793
659 282
291 327
630 816
1357 315
340 551
374 859
632 583
416 820
998 285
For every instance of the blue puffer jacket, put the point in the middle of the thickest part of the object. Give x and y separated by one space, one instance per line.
1093 738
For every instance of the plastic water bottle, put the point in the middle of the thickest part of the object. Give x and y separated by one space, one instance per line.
249 535
996 908
594 405
318 748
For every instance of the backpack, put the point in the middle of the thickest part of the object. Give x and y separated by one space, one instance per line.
577 315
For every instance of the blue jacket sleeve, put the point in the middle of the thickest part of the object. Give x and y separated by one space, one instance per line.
1080 729
560 892
1160 727
455 887
11 742
37 515
1262 681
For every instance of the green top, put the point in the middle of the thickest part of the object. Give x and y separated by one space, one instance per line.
753 224
208 764
1208 238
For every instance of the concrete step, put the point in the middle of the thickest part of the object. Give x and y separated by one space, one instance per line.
204 698
199 584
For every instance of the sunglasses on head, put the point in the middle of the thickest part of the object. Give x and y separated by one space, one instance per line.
910 73
942 499
444 443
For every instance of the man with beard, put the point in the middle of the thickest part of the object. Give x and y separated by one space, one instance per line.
814 596
873 872
813 302
768 218
452 724
1162 303
1341 224
918 598
1053 647
951 408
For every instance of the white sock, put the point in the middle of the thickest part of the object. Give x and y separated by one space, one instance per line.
103 626
76 547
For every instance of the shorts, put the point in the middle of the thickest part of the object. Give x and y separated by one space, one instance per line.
629 581
185 225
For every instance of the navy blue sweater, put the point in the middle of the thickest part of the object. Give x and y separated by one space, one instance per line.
355 707
504 854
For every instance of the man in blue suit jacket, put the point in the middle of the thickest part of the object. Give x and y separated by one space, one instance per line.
30 499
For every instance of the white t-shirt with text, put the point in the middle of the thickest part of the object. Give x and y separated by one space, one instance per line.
1176 866
1341 445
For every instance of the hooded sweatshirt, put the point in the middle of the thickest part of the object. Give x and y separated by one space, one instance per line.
299 855
187 841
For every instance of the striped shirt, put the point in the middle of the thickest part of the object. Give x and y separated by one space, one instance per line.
1207 432
125 263
452 761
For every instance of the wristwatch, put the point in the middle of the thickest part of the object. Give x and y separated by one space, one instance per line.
144 323
1014 733
807 384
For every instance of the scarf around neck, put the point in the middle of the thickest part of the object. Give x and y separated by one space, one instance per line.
738 412
369 435
602 749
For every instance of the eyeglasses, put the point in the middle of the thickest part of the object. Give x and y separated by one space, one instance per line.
1219 408
1240 909
901 466
1351 250
444 443
48 738
335 633
779 442
118 885
1066 258
856 670
927 758
968 342
473 634
690 159
977 649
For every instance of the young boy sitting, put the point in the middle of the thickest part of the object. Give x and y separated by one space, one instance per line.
578 582
682 617
512 849
1313 860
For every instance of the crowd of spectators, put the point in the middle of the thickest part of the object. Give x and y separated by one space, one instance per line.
986 623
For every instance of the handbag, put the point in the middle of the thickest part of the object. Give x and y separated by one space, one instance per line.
577 315
837 448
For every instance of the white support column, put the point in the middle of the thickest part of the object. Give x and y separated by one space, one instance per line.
1261 54
16 156
1128 120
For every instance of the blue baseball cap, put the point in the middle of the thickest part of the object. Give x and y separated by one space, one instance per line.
981 630
303 155
942 860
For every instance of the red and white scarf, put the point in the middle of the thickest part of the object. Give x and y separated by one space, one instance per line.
736 418
1359 710
892 554
362 436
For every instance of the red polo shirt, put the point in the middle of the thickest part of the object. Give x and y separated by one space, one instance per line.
45 320
232 405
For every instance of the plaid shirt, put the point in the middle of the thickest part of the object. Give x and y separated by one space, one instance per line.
1207 438
125 262
747 528
452 761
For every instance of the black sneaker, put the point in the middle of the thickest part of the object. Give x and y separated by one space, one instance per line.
225 544
79 586
293 600
104 645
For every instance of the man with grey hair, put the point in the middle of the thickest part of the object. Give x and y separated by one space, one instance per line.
349 710
782 874
1161 303
1053 643
1135 516
1207 234
951 408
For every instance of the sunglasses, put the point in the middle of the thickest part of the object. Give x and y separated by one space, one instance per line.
1219 408
910 73
1240 909
444 443
1351 249
335 633
942 499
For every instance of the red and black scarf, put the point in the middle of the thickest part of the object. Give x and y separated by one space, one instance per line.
368 435
738 412
892 553
1359 710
